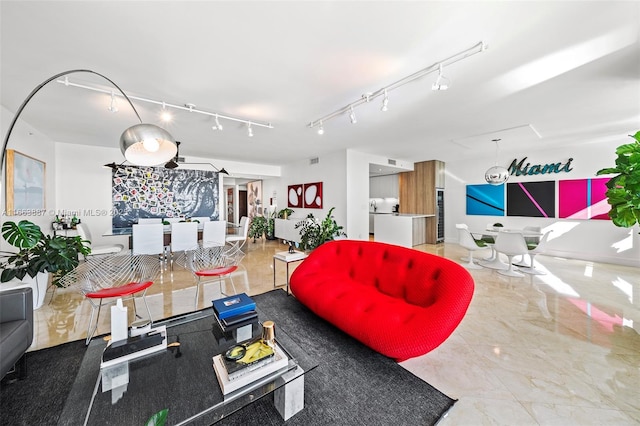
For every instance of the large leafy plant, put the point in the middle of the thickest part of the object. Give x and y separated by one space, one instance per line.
314 233
38 252
623 190
258 227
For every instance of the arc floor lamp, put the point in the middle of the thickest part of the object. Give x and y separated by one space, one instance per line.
142 144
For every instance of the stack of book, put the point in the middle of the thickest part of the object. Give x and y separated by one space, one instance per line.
235 311
260 362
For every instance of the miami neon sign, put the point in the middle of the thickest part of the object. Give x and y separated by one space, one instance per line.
522 169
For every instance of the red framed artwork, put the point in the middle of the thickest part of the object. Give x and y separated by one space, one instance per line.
313 195
294 196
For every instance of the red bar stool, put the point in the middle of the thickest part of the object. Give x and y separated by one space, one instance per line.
127 291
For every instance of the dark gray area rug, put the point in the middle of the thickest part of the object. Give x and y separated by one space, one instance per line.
352 385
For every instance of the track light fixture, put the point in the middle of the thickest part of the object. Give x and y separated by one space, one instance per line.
217 126
442 82
165 115
352 115
185 107
113 107
249 130
321 129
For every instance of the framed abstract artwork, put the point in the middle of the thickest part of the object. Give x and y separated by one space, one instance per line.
25 184
312 195
531 199
583 199
485 200
254 198
294 196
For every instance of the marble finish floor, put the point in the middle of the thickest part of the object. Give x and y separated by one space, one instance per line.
555 349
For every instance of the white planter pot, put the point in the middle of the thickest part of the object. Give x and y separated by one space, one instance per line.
38 286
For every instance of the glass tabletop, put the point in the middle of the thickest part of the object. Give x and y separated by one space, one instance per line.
180 378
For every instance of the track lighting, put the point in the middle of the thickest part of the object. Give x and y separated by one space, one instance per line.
185 107
442 82
165 115
385 101
249 130
352 116
217 126
113 107
321 129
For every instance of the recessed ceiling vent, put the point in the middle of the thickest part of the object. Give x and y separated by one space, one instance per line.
391 162
314 160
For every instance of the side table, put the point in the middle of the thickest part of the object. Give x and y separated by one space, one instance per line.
287 258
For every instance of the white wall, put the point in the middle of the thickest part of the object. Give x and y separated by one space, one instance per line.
596 240
27 140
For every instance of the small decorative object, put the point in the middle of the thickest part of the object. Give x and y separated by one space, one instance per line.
291 249
269 333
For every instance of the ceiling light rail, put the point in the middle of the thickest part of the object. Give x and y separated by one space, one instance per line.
384 91
189 107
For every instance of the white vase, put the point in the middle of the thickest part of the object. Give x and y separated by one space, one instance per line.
38 286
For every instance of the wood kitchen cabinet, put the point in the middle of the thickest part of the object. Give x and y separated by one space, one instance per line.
418 193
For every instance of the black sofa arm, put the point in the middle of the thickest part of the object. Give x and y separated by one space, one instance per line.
16 304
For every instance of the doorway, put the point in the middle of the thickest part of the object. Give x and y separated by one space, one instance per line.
242 203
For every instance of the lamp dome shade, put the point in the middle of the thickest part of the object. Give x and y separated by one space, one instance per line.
136 142
496 175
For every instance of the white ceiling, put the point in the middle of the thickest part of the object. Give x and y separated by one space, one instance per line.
555 73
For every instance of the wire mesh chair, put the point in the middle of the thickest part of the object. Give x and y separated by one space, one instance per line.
103 280
213 262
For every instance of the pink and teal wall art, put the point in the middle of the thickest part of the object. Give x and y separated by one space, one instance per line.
583 199
485 200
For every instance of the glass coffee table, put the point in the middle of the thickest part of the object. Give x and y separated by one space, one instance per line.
180 379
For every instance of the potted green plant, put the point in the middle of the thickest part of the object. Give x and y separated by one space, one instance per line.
39 253
623 189
258 227
270 229
314 233
285 213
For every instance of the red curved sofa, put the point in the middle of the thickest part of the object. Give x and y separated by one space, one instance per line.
398 301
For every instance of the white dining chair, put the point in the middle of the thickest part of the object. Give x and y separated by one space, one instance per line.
511 244
531 240
184 236
533 251
201 219
466 240
148 245
238 240
97 250
214 233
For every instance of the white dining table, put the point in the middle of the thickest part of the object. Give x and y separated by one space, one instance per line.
496 262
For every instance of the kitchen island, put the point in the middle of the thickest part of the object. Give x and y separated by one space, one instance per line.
405 230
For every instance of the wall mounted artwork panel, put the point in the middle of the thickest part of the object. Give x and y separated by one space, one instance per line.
313 195
163 193
531 199
254 198
25 184
485 200
583 199
294 196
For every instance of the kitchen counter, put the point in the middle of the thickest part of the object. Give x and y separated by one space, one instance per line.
403 229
